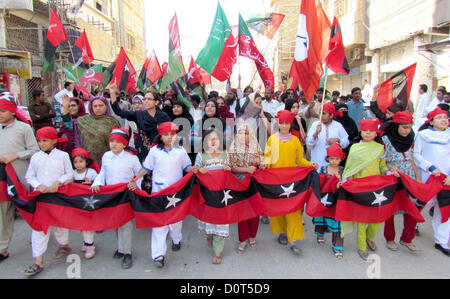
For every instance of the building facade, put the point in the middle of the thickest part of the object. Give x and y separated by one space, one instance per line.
380 39
109 25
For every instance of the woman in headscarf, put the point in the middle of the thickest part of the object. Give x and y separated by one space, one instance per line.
245 156
95 128
224 111
252 111
210 121
348 123
399 143
73 108
299 124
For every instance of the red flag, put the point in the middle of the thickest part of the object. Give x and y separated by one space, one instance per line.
56 32
312 46
174 38
396 89
336 59
164 68
247 48
154 72
83 44
123 75
193 74
206 78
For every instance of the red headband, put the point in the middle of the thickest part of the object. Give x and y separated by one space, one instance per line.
121 135
367 124
167 127
285 116
8 105
434 113
49 133
331 109
335 151
402 117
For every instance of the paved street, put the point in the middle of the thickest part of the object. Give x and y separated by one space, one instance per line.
268 260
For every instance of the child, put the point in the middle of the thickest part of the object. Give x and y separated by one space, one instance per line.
168 164
213 157
335 155
85 171
285 150
119 166
399 144
431 153
245 156
365 158
49 168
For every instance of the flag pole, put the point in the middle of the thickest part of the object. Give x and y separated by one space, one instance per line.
73 58
323 95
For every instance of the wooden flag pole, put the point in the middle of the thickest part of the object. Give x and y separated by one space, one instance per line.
323 95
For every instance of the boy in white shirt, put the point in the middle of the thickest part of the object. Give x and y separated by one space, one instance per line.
119 166
168 164
49 168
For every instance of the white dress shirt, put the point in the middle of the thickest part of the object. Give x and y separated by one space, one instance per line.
319 146
167 166
118 169
46 169
272 107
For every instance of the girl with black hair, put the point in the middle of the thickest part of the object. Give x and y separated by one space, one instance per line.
213 157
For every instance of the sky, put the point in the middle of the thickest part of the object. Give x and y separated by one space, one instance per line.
195 18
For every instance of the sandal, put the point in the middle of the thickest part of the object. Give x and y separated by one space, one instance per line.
363 254
241 247
295 249
320 240
33 270
4 256
371 244
217 259
252 243
62 251
338 253
282 239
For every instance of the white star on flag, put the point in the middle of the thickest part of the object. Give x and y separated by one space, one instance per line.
90 202
288 190
226 197
324 200
172 201
379 198
10 192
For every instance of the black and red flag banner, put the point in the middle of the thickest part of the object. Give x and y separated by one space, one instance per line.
219 197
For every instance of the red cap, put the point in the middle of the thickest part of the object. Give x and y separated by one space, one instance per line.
331 109
402 117
368 124
335 151
167 127
49 133
121 135
8 105
285 116
434 113
84 153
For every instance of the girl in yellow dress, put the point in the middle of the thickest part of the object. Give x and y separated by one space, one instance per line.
285 150
365 158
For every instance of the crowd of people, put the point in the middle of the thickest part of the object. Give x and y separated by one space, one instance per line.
150 140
